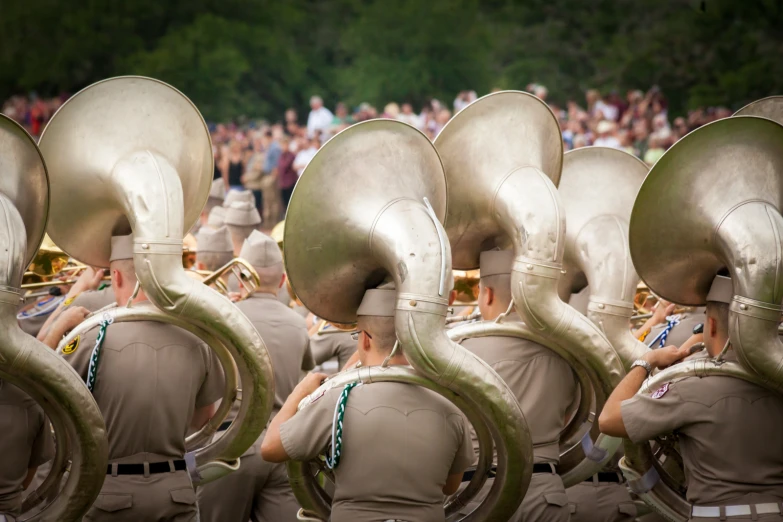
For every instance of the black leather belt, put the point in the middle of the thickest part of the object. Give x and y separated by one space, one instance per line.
155 468
537 468
607 476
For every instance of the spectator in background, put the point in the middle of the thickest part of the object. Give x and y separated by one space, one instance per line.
286 174
292 122
254 171
391 111
407 115
580 141
320 118
342 118
304 156
541 92
233 166
269 185
654 152
607 135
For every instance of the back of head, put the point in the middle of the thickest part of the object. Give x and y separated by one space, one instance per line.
718 301
215 248
262 252
495 267
376 316
242 218
121 259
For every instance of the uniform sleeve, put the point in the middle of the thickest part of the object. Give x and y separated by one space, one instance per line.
77 353
43 444
212 388
308 362
307 433
465 455
321 348
647 416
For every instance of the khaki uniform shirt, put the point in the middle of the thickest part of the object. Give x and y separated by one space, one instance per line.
25 442
151 378
542 382
680 332
285 335
95 299
330 343
727 429
400 443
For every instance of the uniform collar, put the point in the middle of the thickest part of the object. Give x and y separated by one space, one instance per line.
262 295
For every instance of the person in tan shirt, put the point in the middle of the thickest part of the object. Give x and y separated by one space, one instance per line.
330 343
531 371
154 382
403 446
26 442
727 428
260 491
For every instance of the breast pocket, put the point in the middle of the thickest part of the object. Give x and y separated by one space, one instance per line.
111 503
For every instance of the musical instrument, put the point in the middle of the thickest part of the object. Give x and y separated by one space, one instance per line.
389 226
133 154
29 364
732 221
503 158
246 276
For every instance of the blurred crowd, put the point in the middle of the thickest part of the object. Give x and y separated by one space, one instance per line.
268 158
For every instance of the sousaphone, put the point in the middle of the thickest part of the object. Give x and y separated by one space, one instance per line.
503 158
389 227
132 154
27 363
714 201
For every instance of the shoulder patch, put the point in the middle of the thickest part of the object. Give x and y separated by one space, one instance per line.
72 346
660 392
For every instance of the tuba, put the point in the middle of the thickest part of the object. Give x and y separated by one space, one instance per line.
133 154
25 362
503 157
389 226
721 188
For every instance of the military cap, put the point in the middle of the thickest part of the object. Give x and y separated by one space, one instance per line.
234 196
214 240
242 214
121 248
721 290
496 262
217 217
379 302
261 250
218 190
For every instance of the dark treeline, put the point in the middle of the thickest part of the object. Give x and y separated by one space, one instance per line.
257 57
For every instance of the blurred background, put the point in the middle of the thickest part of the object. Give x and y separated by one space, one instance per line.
633 74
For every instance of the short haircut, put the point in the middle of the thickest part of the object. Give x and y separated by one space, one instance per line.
719 312
126 268
381 329
213 260
269 278
501 285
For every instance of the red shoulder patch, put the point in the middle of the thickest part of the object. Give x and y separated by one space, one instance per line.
660 392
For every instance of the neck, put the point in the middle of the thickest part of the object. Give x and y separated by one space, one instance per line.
716 346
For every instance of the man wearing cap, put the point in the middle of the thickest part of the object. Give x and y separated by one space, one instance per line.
242 219
403 447
217 217
153 382
214 248
25 443
260 490
235 196
531 371
725 426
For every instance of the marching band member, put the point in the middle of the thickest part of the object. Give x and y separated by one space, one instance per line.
152 382
724 425
214 248
260 491
25 443
542 382
418 440
330 343
242 218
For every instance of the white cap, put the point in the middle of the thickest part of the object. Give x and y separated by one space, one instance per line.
379 302
261 250
721 291
496 262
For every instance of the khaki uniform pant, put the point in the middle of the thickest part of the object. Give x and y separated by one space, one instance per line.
258 491
601 502
545 501
163 497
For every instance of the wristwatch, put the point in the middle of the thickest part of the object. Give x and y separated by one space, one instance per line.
644 364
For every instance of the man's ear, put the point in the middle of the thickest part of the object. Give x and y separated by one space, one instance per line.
282 281
490 295
713 326
365 342
116 276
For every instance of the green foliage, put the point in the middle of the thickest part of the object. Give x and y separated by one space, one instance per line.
255 58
